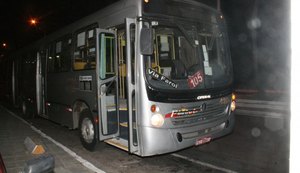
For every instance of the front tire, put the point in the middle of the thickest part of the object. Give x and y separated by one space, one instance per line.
87 130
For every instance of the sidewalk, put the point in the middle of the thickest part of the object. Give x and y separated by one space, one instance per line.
14 130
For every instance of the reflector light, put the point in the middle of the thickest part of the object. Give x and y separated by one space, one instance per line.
154 108
69 109
233 97
233 103
96 120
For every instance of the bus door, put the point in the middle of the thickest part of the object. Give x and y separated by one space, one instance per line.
40 83
131 92
107 85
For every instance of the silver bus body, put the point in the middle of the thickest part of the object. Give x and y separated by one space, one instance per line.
115 90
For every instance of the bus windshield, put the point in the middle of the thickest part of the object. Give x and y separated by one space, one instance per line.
191 49
188 56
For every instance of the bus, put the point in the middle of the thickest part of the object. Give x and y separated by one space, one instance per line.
147 76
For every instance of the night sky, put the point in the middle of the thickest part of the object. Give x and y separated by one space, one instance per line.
259 33
52 15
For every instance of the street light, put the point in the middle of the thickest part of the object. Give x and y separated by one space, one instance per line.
33 21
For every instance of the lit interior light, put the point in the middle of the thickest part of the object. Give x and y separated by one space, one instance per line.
146 1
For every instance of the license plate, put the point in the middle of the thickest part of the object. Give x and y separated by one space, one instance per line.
203 140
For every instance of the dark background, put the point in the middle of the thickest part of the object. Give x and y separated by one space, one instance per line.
259 32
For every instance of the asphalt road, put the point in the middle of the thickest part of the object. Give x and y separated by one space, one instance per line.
259 143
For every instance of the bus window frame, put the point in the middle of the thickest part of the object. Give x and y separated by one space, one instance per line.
86 30
103 72
52 46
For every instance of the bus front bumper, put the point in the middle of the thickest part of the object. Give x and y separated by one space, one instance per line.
160 141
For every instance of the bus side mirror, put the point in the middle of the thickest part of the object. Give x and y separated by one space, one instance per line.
146 44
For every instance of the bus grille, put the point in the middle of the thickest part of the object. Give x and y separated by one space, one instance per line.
212 111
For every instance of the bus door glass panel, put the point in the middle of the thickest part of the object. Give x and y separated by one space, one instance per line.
107 85
131 29
122 65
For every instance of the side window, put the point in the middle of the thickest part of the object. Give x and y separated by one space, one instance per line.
59 55
164 53
63 54
107 63
29 64
51 58
165 49
85 49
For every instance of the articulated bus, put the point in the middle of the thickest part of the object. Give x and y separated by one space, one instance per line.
147 76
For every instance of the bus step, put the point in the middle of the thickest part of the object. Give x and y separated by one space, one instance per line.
125 124
119 143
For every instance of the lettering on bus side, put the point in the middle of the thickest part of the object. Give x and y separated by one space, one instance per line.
158 76
85 83
85 78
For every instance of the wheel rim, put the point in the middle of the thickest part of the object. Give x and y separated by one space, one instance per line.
87 130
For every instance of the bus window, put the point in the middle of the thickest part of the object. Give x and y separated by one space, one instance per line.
107 43
51 59
59 55
85 50
165 53
165 48
63 54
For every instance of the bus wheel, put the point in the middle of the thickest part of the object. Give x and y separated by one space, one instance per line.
87 130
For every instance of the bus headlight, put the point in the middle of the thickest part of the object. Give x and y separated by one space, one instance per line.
233 106
233 103
157 120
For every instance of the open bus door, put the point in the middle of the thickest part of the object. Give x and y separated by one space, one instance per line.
107 85
108 96
131 92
